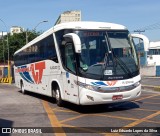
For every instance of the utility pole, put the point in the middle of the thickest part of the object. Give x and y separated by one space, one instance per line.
9 74
27 35
3 48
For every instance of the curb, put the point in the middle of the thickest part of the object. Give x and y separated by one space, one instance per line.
150 77
151 87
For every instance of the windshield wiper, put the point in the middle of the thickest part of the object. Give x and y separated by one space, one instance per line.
123 66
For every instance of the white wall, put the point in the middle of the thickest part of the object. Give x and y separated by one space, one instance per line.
148 70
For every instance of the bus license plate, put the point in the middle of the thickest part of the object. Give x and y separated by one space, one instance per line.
117 97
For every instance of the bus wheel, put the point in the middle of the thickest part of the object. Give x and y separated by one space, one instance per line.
58 97
22 88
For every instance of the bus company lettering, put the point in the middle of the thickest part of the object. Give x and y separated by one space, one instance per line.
127 82
36 70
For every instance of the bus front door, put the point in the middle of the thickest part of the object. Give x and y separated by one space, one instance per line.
71 89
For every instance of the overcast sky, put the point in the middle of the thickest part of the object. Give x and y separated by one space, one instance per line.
134 14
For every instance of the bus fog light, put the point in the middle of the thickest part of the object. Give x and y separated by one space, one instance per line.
90 97
138 93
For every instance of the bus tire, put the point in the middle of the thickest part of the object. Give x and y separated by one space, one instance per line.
22 88
59 100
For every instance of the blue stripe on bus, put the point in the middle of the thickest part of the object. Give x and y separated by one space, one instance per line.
21 74
26 76
99 83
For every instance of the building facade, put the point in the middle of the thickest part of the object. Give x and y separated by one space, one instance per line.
69 16
16 30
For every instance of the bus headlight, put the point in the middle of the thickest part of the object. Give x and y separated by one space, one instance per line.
137 84
89 87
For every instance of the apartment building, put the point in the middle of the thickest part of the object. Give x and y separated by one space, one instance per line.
69 16
16 29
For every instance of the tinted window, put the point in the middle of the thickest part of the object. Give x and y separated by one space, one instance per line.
42 50
154 52
61 41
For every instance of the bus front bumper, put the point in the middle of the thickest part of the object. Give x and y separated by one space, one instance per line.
89 97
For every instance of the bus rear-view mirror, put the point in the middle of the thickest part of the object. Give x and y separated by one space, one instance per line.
143 38
76 41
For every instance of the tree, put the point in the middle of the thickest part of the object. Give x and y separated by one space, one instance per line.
15 42
2 50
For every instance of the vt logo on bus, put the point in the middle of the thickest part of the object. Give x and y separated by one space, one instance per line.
36 70
111 83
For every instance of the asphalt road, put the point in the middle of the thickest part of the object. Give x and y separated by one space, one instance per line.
33 110
18 110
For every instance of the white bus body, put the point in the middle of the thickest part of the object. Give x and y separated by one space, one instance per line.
84 63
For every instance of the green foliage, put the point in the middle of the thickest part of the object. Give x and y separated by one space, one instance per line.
15 42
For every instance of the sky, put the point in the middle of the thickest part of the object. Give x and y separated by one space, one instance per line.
134 14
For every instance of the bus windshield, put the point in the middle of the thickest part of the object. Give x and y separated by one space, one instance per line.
107 55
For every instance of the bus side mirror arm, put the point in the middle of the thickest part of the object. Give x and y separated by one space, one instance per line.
144 38
76 41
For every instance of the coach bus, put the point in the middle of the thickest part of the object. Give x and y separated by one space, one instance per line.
84 63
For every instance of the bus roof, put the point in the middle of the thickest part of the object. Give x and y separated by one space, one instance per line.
76 25
89 25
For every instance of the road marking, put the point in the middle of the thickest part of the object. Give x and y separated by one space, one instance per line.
142 120
60 110
55 108
53 119
146 97
118 117
80 128
145 109
156 98
156 122
73 118
124 118
151 86
155 88
90 130
151 102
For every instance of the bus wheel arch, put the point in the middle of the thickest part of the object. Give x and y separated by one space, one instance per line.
56 93
22 87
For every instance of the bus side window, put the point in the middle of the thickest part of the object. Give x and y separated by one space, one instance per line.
69 57
50 51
